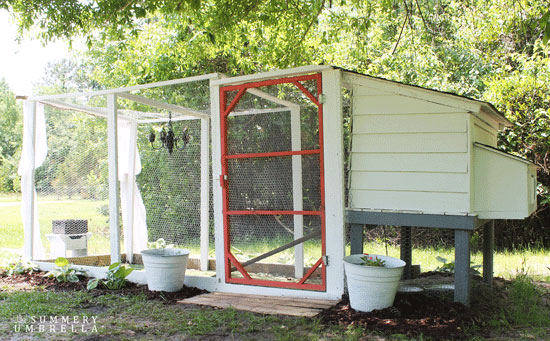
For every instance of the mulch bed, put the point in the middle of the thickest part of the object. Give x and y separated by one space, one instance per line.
37 279
412 314
434 316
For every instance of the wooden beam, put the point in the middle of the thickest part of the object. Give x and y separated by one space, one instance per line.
114 193
205 193
162 105
279 249
128 88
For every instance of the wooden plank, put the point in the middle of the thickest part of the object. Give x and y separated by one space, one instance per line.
413 91
114 193
410 162
247 306
262 304
410 201
484 136
410 181
411 143
418 123
359 90
396 104
281 299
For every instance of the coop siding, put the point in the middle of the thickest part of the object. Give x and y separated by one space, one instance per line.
405 181
428 202
410 162
411 143
409 155
406 123
484 133
397 104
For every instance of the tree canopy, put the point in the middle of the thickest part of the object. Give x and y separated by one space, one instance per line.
493 50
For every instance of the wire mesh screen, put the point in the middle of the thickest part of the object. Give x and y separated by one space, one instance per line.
72 187
265 125
170 185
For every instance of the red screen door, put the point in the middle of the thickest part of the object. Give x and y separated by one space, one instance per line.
273 184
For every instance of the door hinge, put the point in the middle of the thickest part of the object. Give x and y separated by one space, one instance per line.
223 179
325 260
322 98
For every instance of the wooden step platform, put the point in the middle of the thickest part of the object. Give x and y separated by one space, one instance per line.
262 304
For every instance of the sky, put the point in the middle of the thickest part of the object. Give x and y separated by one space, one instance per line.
22 65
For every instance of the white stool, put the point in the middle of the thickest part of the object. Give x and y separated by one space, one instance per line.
61 243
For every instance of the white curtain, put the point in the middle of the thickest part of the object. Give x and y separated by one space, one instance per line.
26 168
127 131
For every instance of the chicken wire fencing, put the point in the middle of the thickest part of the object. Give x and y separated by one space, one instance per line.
72 187
72 184
264 184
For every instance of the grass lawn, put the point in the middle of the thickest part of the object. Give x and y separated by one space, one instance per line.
506 263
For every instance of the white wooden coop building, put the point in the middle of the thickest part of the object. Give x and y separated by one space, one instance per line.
418 158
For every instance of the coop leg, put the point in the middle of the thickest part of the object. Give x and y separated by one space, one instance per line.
462 266
356 238
406 250
488 247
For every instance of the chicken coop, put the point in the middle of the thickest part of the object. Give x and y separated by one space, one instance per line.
261 176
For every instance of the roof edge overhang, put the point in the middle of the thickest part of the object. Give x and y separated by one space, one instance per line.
256 77
435 96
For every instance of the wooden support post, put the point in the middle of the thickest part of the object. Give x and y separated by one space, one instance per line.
488 248
406 250
297 195
356 238
131 190
29 209
205 193
462 266
114 194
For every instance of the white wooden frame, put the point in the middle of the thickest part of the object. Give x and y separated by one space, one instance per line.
112 114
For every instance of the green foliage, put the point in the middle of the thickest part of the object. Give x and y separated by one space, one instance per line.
526 306
10 139
19 267
115 279
372 261
449 267
159 244
64 272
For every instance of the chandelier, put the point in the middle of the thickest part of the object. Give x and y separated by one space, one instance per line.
168 139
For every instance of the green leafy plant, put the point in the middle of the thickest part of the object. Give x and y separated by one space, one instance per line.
449 267
64 272
159 244
115 279
20 267
372 261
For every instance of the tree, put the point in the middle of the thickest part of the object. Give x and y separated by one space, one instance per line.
10 138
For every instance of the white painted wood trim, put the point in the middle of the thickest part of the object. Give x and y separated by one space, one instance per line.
258 111
301 70
162 105
114 195
269 291
164 120
216 172
205 193
411 91
297 195
271 98
128 88
131 190
334 180
29 218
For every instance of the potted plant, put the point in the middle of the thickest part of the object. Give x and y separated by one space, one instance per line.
372 280
164 266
